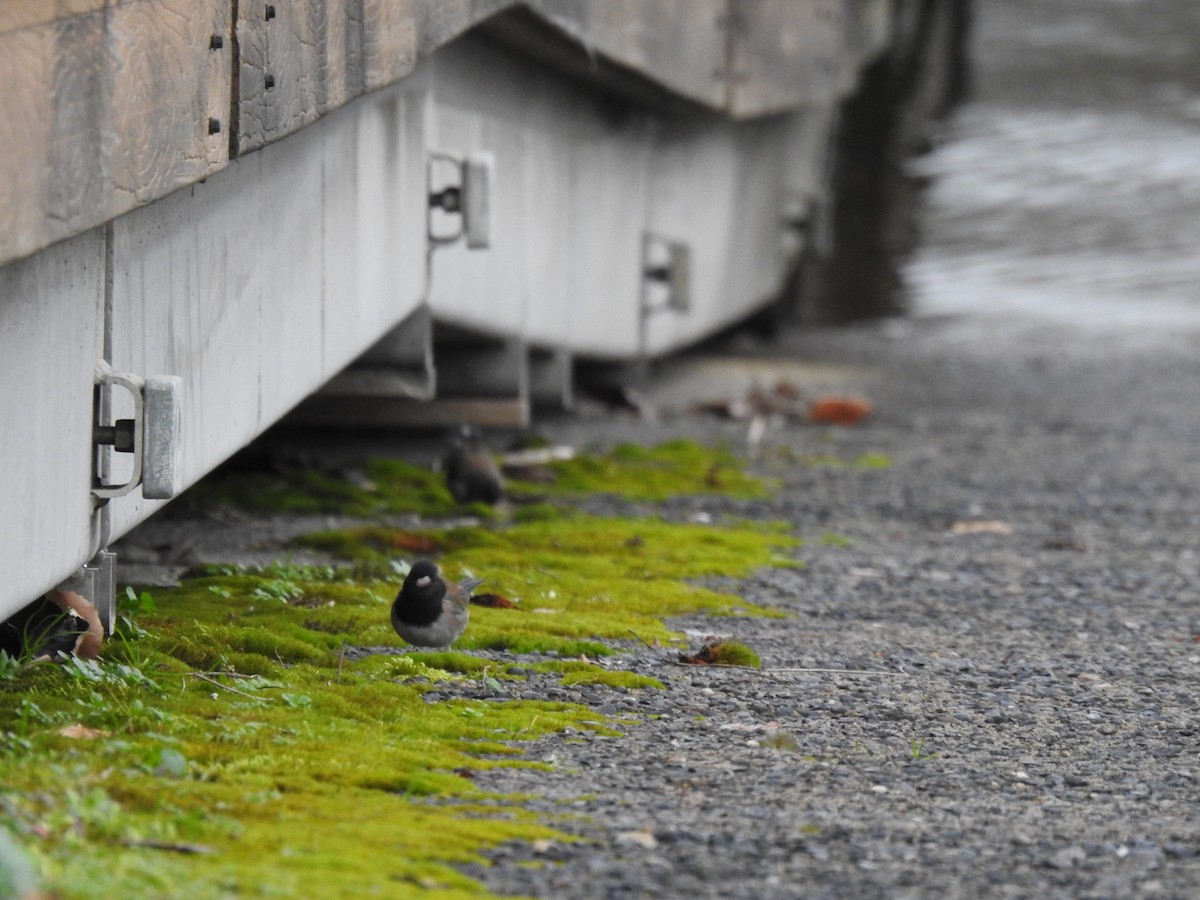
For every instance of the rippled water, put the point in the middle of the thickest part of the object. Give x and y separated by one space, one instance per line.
1068 185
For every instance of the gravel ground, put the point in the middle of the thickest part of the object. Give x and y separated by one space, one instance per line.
988 714
1019 718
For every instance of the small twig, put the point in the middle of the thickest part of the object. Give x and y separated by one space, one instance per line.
876 672
168 845
226 674
880 672
640 638
225 687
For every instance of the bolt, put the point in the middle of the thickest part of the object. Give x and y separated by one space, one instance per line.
270 11
214 126
269 81
216 42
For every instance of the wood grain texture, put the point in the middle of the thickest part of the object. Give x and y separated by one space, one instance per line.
104 111
112 105
299 61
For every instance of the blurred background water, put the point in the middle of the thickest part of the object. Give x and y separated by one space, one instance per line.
1067 185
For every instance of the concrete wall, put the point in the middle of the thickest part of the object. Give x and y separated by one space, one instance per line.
253 235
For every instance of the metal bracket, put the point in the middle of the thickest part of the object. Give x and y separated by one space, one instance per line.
151 436
797 220
666 274
465 194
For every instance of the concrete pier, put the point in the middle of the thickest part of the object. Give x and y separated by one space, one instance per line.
245 198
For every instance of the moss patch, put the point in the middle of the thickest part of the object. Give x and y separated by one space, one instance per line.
229 746
652 473
389 486
381 486
584 580
229 742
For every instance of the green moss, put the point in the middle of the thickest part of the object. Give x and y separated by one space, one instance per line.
391 486
641 473
386 486
789 456
589 580
231 720
735 653
829 539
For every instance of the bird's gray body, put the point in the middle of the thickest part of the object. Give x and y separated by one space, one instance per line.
471 473
430 611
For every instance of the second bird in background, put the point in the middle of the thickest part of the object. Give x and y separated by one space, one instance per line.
471 473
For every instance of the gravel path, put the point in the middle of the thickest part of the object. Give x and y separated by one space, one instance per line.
1015 714
1025 724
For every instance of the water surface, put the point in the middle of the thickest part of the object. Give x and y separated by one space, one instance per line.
1067 186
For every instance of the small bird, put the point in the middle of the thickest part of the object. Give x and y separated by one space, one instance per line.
471 473
430 611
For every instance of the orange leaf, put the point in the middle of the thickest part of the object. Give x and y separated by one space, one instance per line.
81 731
839 410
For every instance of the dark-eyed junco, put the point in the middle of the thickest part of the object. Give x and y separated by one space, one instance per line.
471 473
430 611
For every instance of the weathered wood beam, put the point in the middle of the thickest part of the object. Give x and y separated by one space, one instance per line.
105 109
112 104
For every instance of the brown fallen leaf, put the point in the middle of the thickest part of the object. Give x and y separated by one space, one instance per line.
413 543
82 732
494 601
839 410
1064 544
981 526
88 644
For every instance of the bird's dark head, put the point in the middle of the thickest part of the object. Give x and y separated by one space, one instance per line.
421 578
420 599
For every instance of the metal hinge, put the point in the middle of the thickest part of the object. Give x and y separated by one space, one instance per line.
460 189
152 436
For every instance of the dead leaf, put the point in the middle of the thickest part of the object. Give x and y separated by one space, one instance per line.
413 543
88 644
494 601
1064 544
82 732
839 410
643 837
981 526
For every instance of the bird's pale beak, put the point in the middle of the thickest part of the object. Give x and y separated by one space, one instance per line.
424 581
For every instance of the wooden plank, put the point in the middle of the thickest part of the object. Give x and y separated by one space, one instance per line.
104 111
300 61
17 14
